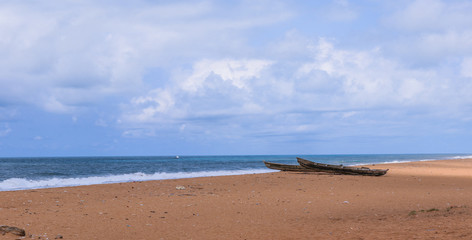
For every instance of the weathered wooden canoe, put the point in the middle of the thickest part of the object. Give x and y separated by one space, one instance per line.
340 169
288 167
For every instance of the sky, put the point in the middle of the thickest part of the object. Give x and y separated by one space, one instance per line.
116 77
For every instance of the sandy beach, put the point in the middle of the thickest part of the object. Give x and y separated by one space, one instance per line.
417 200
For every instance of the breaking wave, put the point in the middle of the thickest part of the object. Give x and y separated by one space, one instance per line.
462 157
12 184
406 160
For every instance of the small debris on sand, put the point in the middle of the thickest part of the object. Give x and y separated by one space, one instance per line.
13 230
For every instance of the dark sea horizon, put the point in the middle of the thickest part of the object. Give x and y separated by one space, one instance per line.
19 173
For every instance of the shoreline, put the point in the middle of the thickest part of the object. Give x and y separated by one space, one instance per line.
203 174
143 177
427 199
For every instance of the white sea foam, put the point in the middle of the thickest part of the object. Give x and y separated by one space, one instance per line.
22 183
448 158
462 157
417 160
423 160
397 161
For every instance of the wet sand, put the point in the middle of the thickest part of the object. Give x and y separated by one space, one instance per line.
422 200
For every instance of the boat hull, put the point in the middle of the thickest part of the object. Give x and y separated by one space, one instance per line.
287 167
340 169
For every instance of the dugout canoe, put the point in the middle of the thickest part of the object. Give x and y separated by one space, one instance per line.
340 169
288 167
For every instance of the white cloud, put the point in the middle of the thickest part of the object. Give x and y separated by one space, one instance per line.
5 130
7 113
444 44
429 31
213 87
139 132
340 10
336 86
96 50
410 89
156 102
466 67
420 14
433 15
247 70
53 105
101 123
366 78
292 46
236 72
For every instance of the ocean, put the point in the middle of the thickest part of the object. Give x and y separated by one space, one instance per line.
52 172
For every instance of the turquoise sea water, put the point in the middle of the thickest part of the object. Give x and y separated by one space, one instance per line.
50 172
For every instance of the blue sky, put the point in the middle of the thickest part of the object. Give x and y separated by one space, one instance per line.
234 77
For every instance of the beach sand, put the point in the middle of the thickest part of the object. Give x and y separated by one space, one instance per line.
418 200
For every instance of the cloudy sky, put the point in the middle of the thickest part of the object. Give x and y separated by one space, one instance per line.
234 77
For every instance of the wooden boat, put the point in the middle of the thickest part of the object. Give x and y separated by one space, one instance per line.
288 167
340 169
